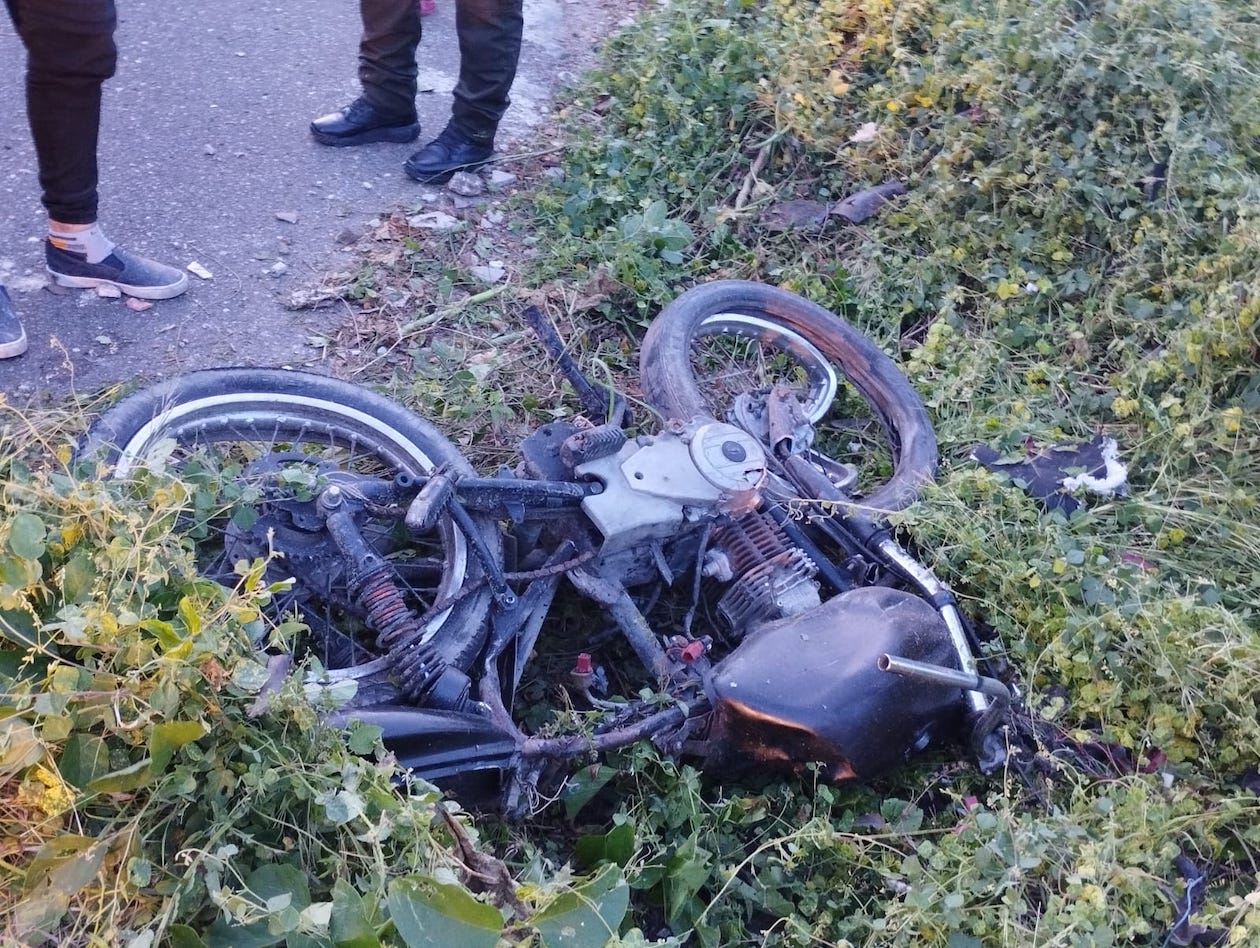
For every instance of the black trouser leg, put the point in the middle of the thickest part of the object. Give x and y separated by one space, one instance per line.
387 55
70 53
489 49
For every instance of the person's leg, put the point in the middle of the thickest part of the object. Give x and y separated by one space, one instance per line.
387 55
70 53
489 48
386 110
12 335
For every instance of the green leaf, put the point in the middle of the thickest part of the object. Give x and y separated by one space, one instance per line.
617 846
164 632
686 872
429 914
61 868
362 738
268 882
582 787
279 887
20 746
120 781
78 577
589 915
18 572
181 936
168 737
27 535
350 925
83 759
225 934
342 806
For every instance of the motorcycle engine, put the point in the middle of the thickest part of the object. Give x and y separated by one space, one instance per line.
656 485
768 578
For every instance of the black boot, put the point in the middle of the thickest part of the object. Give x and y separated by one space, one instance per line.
360 123
450 152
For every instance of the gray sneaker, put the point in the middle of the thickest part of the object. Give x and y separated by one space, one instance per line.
135 276
12 335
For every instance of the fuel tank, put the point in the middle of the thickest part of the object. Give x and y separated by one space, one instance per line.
806 688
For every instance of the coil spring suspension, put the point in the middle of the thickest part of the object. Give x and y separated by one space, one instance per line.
771 577
750 541
399 632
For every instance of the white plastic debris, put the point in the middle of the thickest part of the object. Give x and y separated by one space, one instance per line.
1114 474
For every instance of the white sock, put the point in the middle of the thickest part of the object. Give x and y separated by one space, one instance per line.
91 244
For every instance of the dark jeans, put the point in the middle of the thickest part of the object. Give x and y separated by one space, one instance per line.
489 33
70 53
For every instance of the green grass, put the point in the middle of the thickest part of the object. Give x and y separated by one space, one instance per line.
1078 251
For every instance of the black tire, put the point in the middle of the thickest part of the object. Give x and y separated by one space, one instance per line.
248 406
669 376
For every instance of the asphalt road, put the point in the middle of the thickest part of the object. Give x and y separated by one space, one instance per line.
204 141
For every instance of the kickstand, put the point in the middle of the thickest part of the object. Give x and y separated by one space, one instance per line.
597 401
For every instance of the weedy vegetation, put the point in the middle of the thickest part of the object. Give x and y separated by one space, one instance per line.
1077 251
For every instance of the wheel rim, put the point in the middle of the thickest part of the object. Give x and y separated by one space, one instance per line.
756 335
272 424
751 353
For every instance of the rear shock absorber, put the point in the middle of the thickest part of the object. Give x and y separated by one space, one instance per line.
423 675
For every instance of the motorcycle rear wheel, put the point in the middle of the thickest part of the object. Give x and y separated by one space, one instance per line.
719 340
269 435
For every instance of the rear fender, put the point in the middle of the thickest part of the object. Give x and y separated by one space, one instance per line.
463 753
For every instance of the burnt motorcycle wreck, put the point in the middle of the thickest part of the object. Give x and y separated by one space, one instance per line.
737 546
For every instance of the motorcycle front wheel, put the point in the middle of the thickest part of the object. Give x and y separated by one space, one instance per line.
719 347
258 444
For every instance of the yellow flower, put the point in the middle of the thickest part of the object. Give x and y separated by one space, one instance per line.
53 797
893 106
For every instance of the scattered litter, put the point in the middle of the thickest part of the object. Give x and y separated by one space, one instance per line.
197 269
866 133
289 217
1054 473
107 291
489 273
794 215
858 207
466 183
434 220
